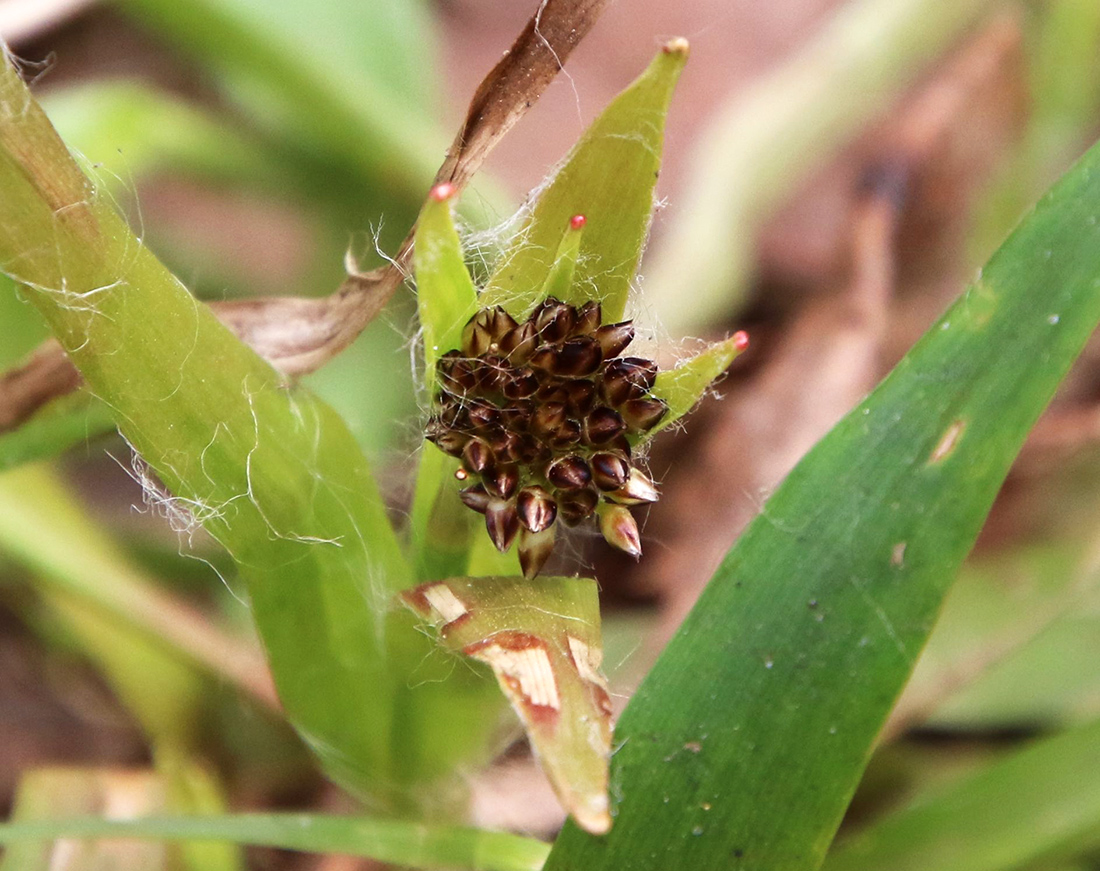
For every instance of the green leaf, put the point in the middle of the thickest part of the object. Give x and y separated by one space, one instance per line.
609 178
62 424
684 385
271 472
542 640
744 744
412 845
1042 802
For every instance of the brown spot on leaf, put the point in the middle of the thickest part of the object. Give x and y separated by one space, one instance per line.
948 442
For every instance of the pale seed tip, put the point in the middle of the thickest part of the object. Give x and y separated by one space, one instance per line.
578 221
443 192
740 340
679 45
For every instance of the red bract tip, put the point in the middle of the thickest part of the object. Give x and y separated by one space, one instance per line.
577 221
740 340
443 192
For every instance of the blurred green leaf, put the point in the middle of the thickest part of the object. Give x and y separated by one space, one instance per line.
1042 802
344 79
45 797
411 845
744 744
55 428
271 472
609 178
767 138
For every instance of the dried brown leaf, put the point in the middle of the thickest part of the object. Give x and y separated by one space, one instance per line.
299 335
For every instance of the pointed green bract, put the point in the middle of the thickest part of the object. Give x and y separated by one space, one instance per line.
748 737
683 386
559 283
542 640
609 178
445 295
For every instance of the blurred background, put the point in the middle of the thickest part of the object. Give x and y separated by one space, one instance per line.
834 175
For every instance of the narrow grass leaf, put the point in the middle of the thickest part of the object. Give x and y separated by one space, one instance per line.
269 470
1040 803
609 178
411 845
743 746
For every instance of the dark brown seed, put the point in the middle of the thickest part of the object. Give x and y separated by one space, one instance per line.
537 508
602 425
577 358
614 338
501 323
553 390
483 415
519 344
502 523
588 319
582 394
475 497
492 373
520 384
534 550
505 445
476 338
476 456
548 418
566 435
501 481
609 471
575 507
456 373
545 358
554 320
517 414
569 473
641 415
628 378
448 440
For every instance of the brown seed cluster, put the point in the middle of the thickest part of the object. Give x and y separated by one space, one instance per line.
540 413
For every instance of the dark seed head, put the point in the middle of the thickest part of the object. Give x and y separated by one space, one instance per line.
475 497
554 320
581 395
476 338
537 508
534 550
628 378
519 344
609 471
602 425
501 323
577 358
520 384
476 456
569 473
566 435
505 445
502 523
548 418
448 440
501 481
637 489
483 415
641 415
575 507
614 338
588 319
